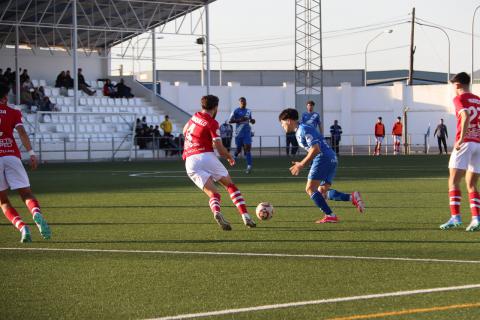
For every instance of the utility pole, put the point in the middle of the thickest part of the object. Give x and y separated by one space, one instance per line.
412 49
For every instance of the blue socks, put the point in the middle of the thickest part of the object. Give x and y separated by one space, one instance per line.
338 196
321 203
248 155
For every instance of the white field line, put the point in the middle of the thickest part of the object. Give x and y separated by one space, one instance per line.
316 302
244 254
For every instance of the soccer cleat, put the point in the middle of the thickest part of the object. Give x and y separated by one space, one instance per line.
328 219
248 170
26 235
224 224
42 226
250 223
453 222
357 201
473 226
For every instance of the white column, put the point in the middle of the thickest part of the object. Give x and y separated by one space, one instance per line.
345 108
75 67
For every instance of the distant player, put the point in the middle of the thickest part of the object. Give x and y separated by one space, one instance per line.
379 135
202 133
322 171
311 117
243 132
12 172
397 132
465 157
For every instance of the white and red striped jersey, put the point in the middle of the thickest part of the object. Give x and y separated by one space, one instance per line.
200 132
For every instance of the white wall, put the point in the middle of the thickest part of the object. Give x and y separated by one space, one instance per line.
43 65
356 108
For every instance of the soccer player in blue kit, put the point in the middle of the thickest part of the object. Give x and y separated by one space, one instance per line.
322 171
311 117
243 132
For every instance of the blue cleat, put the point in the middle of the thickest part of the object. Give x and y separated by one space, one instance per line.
453 222
42 226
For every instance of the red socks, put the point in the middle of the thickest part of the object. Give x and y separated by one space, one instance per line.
33 206
14 218
237 198
455 199
474 203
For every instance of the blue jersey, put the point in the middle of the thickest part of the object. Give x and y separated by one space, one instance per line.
308 136
311 118
243 128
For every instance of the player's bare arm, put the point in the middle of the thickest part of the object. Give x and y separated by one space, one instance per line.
465 120
217 143
297 166
26 143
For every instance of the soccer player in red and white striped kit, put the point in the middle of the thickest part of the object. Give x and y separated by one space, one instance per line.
202 134
12 172
465 157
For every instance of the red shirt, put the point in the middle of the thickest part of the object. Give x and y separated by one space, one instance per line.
471 103
379 130
397 129
200 131
9 120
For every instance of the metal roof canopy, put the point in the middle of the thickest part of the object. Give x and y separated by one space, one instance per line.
101 24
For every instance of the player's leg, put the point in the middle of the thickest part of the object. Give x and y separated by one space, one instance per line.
214 202
248 156
12 215
237 199
34 207
455 198
312 189
239 144
321 173
444 140
471 179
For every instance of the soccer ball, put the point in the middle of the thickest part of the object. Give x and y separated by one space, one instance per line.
264 211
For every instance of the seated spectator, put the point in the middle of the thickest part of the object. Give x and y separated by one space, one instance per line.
47 105
24 76
68 80
26 95
82 85
123 91
38 95
60 82
109 89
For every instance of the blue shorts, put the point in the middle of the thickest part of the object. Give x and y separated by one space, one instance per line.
323 169
244 138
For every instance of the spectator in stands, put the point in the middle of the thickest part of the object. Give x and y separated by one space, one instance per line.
442 135
38 95
167 127
226 132
140 139
109 89
335 136
68 80
156 137
82 85
24 76
138 126
9 76
144 123
47 105
61 80
26 95
123 91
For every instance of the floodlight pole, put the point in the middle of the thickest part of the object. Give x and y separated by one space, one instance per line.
473 42
17 68
75 69
207 36
154 65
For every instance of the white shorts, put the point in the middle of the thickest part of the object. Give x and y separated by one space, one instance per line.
379 140
200 167
397 139
467 158
13 174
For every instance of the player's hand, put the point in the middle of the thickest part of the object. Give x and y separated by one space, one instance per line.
231 161
458 144
252 121
33 162
296 168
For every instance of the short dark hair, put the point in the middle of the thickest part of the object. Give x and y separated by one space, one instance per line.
242 99
4 91
288 113
209 102
311 102
462 78
399 118
379 118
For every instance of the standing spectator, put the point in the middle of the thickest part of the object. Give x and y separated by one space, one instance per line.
226 132
138 125
291 140
397 132
311 117
335 136
3 80
379 135
442 135
144 123
82 85
123 91
167 127
68 80
24 76
9 76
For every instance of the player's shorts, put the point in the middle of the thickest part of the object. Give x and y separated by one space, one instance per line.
378 139
244 138
200 167
323 169
397 139
467 158
12 174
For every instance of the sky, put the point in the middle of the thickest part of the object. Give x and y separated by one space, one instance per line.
259 34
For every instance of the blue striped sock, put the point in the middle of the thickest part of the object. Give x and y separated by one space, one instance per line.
248 155
338 196
319 200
